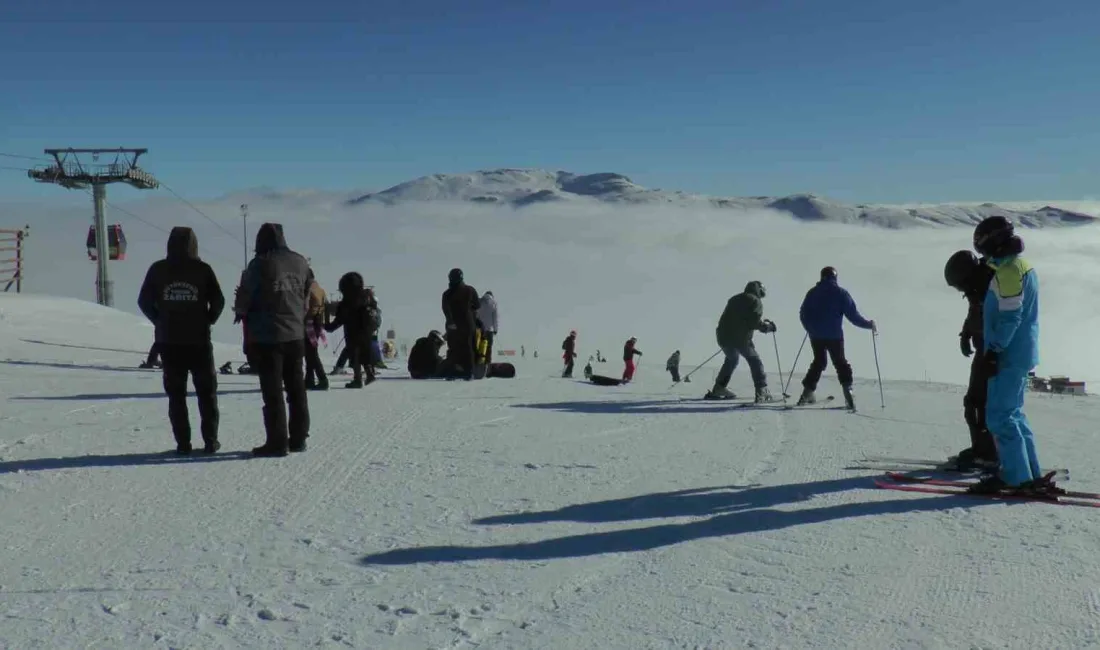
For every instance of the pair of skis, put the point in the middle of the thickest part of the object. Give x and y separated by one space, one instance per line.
896 479
906 483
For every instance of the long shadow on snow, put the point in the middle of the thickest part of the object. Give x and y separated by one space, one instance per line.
113 396
73 366
650 407
115 460
84 347
735 512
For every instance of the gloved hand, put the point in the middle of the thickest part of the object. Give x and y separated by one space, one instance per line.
236 318
989 363
964 345
767 327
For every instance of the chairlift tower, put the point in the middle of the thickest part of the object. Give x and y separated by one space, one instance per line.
69 172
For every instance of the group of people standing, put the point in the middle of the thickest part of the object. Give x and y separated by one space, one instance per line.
283 311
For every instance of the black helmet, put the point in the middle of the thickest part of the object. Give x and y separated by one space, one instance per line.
995 236
455 276
435 336
351 284
828 273
960 268
756 288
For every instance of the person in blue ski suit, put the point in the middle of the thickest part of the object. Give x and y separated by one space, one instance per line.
822 314
1011 350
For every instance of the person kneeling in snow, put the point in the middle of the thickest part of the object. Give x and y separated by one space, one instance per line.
424 359
359 321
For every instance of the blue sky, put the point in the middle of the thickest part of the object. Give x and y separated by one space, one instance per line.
857 100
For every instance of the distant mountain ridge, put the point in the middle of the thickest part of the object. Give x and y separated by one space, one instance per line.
523 187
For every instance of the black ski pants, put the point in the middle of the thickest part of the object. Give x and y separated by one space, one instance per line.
834 350
280 368
178 361
675 374
315 371
733 356
361 356
460 351
981 440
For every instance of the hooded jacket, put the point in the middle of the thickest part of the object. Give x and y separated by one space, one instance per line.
487 312
460 305
274 291
181 294
824 309
357 311
743 315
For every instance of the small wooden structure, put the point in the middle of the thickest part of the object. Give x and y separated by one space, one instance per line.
11 268
1056 384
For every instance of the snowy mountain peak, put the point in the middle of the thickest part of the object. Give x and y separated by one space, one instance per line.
523 187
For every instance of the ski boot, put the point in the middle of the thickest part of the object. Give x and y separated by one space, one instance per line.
146 365
807 397
719 392
849 400
763 395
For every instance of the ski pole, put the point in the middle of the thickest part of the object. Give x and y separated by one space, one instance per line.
790 377
338 346
874 342
778 365
685 377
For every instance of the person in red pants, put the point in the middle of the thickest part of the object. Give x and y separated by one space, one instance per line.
628 358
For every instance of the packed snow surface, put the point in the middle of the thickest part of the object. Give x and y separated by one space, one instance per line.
536 512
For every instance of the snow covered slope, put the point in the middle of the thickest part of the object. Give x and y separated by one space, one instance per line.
523 187
529 513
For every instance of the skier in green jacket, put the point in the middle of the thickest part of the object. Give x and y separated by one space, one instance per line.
744 315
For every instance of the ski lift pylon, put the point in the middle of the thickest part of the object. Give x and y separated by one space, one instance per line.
116 242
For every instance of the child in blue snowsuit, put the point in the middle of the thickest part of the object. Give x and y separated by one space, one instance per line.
1011 351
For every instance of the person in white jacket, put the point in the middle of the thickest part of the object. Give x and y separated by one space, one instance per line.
487 314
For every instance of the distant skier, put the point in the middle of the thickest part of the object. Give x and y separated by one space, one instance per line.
743 315
673 366
588 369
182 297
460 305
569 353
1010 331
424 359
822 314
359 319
629 352
487 314
971 276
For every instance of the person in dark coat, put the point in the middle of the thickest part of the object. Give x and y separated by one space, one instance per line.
569 353
424 359
182 297
358 315
971 276
629 352
272 300
743 315
822 314
673 366
460 305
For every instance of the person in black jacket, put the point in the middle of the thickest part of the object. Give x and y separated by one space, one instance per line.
358 315
569 353
182 297
460 305
424 359
971 276
273 299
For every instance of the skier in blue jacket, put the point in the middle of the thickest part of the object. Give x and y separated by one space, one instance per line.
823 311
1011 350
